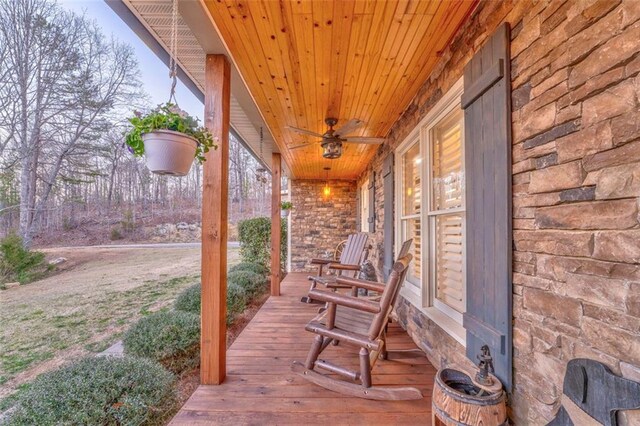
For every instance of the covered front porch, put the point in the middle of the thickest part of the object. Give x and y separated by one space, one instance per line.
500 137
260 387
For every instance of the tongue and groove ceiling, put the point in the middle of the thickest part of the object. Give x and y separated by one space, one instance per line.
306 60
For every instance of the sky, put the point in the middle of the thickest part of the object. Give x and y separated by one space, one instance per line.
154 73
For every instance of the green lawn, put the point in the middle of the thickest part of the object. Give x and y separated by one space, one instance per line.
86 308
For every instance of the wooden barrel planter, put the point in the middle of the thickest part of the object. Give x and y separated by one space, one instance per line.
457 401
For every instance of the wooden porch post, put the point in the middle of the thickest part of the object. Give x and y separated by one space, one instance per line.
214 223
276 221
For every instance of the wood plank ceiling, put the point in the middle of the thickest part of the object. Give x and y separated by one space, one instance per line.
306 60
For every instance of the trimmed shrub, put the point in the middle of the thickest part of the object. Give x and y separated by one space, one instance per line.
98 391
255 238
250 266
169 337
18 263
244 281
237 299
252 283
189 299
255 235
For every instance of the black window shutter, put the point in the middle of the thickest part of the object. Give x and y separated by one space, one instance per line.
387 176
487 121
372 202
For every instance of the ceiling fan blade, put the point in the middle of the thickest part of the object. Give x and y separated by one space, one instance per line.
349 127
304 145
303 131
371 141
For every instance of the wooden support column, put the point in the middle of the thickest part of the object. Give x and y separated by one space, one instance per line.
215 194
276 222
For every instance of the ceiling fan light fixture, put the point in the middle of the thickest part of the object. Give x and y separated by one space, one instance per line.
332 149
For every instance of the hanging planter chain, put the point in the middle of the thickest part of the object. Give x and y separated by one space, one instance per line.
261 142
173 55
260 171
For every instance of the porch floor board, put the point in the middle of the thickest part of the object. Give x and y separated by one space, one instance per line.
261 389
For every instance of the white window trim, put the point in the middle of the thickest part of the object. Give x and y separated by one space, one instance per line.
423 299
407 144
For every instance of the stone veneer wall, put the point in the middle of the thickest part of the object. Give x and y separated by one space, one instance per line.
576 183
319 224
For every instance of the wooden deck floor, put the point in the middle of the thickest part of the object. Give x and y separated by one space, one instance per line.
260 388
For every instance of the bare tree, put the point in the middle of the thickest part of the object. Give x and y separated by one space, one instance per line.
64 92
65 78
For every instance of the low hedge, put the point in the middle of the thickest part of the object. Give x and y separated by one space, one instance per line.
250 266
237 298
189 300
170 337
98 391
250 281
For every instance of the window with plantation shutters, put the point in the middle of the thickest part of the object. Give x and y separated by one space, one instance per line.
446 214
430 209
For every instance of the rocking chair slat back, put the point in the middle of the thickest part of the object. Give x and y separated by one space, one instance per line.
353 254
353 251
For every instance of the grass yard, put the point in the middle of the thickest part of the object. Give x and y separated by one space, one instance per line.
87 305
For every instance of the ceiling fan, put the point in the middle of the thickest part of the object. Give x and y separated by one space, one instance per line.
332 140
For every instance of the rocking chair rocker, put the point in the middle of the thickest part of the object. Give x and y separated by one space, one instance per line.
359 322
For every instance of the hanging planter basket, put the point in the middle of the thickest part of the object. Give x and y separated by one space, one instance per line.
168 152
154 133
284 213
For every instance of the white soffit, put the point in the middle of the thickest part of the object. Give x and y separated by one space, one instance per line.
197 37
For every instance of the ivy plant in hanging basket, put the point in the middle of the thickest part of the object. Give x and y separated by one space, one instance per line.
169 139
285 208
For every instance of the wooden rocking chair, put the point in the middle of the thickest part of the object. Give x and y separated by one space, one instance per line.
343 282
353 254
359 322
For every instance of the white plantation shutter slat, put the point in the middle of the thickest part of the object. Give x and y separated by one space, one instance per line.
450 149
448 257
452 293
450 164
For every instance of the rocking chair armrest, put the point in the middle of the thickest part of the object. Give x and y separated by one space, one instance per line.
344 300
344 267
354 282
320 261
335 285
